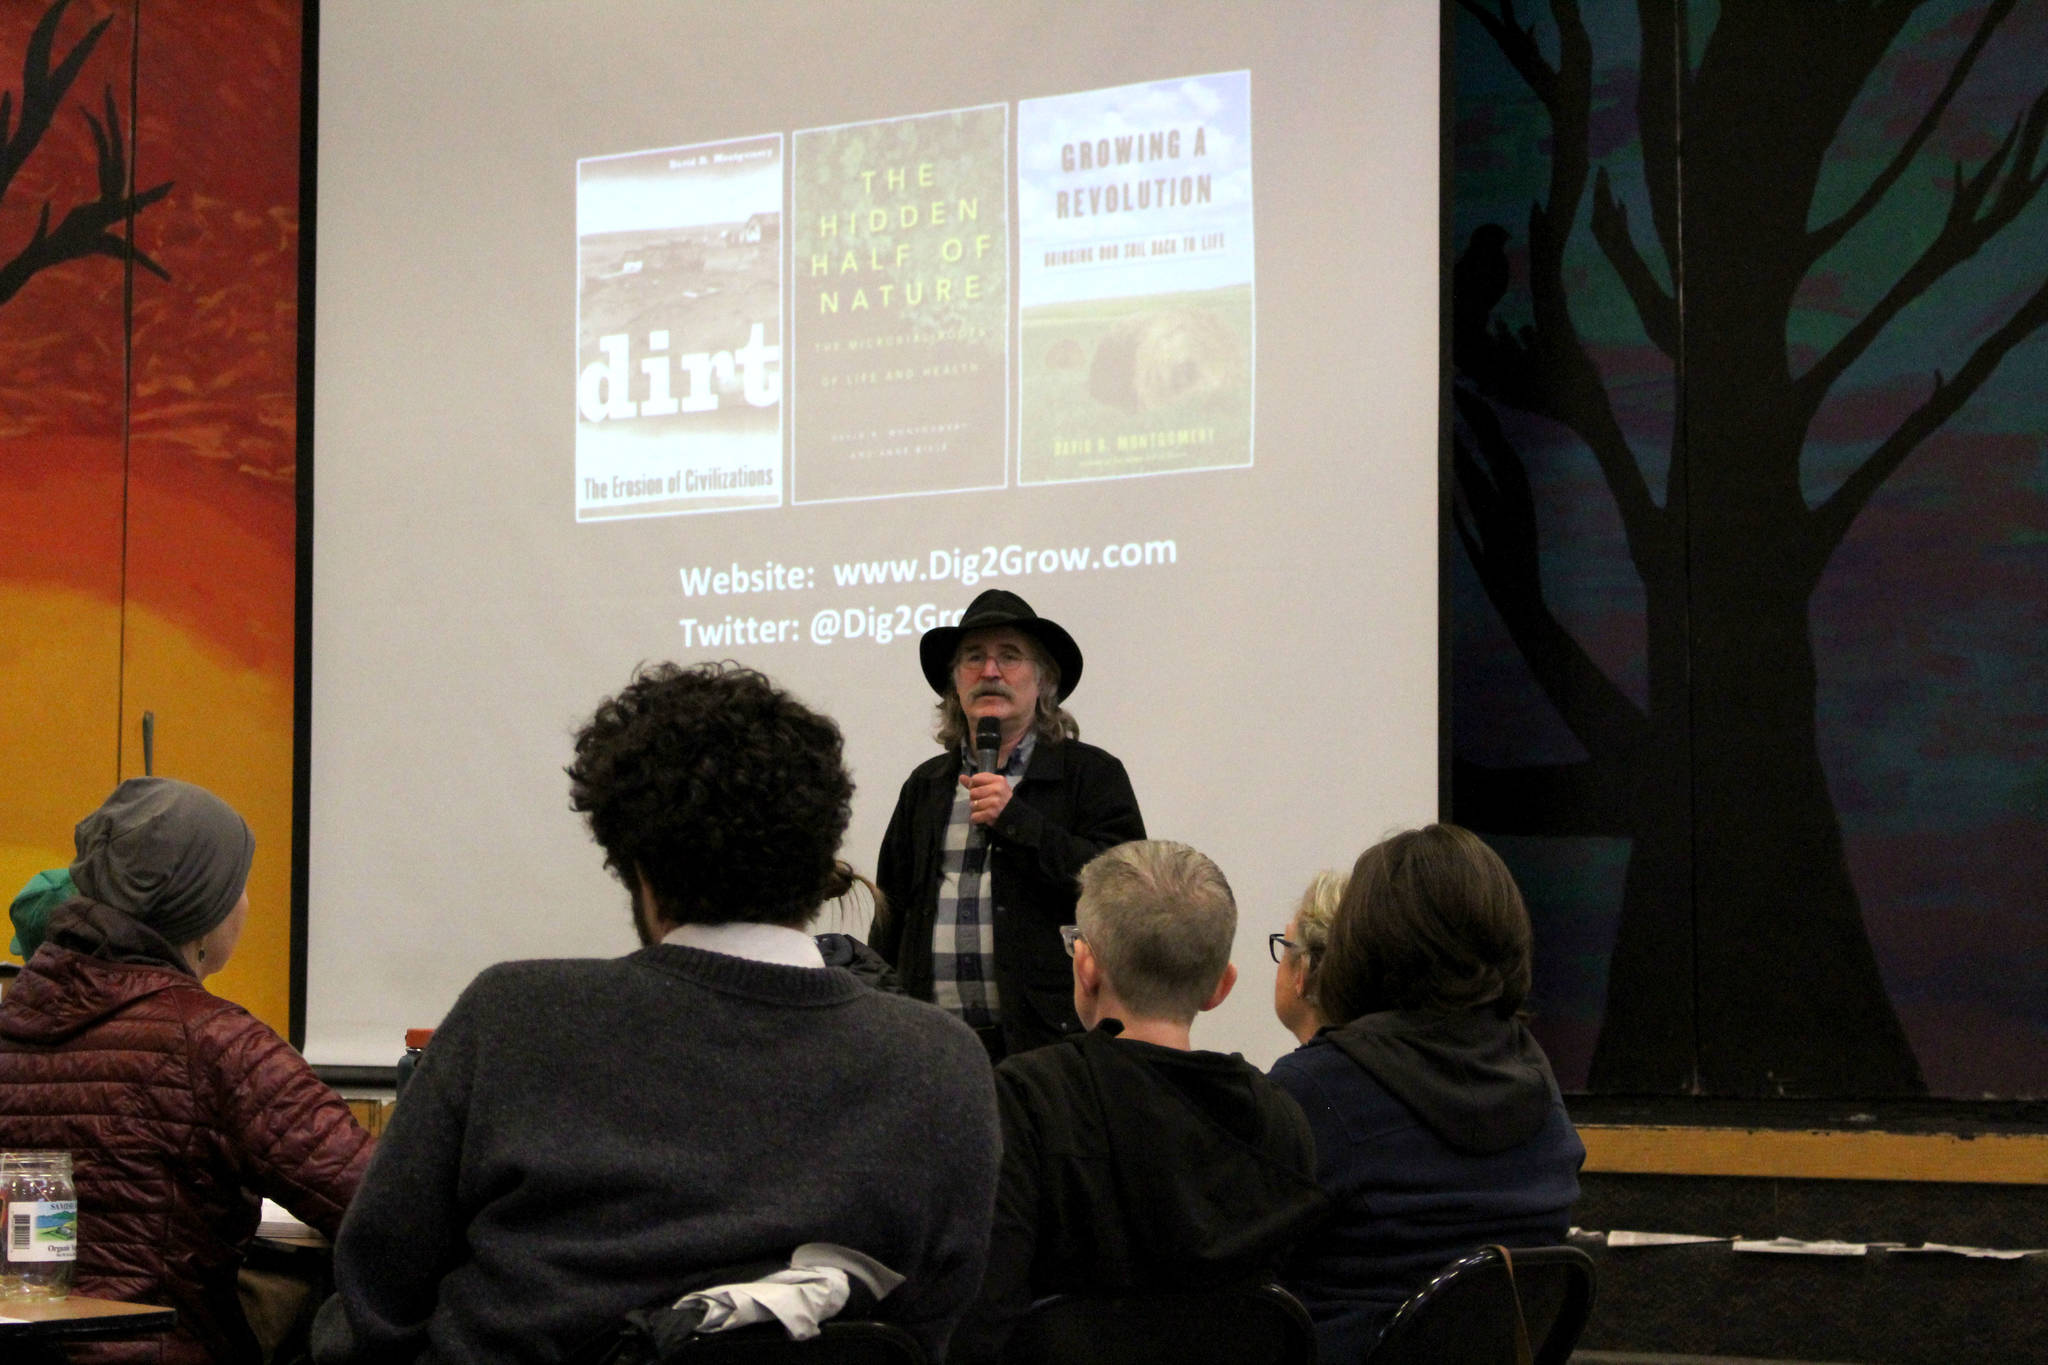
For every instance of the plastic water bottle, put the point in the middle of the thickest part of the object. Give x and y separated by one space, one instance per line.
416 1040
41 1236
10 1278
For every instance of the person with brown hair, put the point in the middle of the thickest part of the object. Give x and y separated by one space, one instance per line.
1438 1125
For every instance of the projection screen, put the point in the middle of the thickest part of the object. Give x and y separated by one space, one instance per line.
777 331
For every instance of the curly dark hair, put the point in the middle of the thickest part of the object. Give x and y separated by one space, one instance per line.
720 790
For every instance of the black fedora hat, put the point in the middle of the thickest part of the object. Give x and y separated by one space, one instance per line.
998 608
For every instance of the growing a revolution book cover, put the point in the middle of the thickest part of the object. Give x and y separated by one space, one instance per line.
1134 282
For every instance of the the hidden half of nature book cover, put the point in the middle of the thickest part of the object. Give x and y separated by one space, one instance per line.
900 280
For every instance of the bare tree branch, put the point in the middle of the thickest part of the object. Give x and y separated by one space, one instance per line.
1495 512
1561 382
1823 239
1832 519
1660 92
1495 519
1546 368
1657 309
1518 44
87 230
1982 205
42 89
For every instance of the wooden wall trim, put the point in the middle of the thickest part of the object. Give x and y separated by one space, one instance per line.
1990 1159
372 1112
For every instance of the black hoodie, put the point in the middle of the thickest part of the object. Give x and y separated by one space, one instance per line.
1132 1166
1482 1084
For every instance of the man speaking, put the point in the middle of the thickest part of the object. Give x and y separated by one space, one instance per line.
979 861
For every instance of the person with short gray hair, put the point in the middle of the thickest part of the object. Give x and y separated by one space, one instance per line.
1298 952
1131 1160
1158 919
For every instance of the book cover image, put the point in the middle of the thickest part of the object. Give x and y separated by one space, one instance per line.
900 305
679 330
1134 280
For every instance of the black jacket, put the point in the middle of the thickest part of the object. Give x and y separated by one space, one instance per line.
1128 1166
1073 801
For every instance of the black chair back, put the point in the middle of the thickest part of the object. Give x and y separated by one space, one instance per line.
1466 1314
1260 1326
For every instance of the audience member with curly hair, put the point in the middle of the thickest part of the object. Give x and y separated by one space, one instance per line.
581 1136
1438 1125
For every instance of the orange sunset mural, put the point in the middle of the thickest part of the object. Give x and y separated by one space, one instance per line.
147 427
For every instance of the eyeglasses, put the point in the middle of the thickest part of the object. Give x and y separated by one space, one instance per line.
1070 934
1279 945
1008 659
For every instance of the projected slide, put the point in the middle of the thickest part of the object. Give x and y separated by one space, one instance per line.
679 329
1135 280
873 307
1134 319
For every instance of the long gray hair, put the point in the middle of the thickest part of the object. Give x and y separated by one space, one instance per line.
1051 721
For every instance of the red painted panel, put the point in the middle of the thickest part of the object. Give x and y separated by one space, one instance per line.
61 359
212 433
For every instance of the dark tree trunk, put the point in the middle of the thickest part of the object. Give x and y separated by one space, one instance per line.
1790 1000
1786 995
1649 1032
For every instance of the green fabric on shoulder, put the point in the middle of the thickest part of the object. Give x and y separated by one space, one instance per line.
32 906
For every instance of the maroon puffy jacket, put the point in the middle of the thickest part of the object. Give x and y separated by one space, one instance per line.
179 1109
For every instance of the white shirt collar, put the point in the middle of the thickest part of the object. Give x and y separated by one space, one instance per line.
760 942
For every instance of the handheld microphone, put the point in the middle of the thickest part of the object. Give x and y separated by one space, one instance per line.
988 742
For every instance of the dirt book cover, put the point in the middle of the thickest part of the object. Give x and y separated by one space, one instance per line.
679 330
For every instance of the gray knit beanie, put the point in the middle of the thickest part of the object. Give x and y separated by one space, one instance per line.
173 855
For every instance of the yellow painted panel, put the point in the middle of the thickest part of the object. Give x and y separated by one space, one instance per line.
220 724
228 728
1990 1158
60 666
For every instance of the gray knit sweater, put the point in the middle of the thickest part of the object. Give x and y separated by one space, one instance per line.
581 1135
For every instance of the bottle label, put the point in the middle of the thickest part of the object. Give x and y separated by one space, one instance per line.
42 1230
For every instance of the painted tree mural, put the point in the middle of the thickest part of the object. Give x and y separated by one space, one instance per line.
148 430
88 228
1741 963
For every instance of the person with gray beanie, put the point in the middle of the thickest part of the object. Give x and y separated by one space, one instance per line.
179 1108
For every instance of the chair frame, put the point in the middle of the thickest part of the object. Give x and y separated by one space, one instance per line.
1555 1348
837 1339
